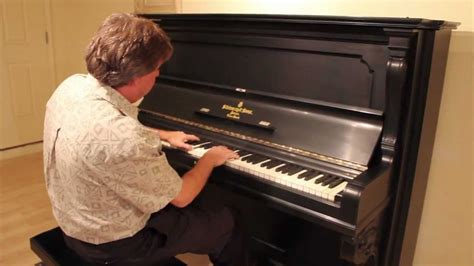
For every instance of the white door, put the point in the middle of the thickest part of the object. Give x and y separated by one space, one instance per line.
26 72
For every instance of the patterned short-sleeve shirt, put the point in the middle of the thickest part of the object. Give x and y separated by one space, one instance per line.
105 172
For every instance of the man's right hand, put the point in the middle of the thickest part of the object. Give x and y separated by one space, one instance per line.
218 155
195 179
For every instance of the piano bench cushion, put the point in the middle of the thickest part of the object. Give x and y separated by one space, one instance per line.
50 247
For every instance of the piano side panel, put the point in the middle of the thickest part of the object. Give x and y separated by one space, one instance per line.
418 128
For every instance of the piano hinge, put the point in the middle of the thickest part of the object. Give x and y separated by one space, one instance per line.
289 149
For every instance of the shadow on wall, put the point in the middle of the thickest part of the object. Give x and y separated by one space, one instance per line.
452 160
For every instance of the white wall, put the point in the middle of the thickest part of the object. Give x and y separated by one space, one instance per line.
74 22
446 231
453 10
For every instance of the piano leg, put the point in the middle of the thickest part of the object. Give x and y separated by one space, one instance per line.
363 249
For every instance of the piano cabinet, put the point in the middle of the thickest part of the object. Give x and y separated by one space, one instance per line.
328 114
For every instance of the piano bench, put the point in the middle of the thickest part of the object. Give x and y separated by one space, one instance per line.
50 247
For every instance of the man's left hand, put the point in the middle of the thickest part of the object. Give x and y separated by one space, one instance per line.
179 139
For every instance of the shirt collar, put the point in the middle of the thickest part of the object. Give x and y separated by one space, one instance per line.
114 97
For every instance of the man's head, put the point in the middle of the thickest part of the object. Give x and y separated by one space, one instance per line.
126 48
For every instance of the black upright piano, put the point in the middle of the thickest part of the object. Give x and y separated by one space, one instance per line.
333 118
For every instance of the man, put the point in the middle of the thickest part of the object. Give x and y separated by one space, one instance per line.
113 193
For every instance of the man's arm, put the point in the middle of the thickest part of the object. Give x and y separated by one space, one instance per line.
195 179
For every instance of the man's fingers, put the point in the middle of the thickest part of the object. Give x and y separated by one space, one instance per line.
191 138
234 156
185 147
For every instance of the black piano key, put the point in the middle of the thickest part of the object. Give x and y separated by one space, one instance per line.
281 167
208 145
289 168
295 170
336 182
272 163
242 153
197 142
260 159
252 158
329 180
311 175
246 158
322 179
304 174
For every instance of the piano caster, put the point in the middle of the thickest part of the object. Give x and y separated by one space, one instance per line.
362 249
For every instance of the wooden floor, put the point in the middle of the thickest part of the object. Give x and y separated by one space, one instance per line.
25 211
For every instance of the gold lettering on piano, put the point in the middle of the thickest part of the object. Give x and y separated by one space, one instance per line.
236 111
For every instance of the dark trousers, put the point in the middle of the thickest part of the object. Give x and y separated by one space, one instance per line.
200 228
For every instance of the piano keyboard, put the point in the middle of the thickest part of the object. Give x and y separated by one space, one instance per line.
319 184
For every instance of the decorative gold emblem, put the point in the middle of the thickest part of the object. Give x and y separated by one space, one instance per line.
236 111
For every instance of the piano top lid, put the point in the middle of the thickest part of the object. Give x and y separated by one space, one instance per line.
391 22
